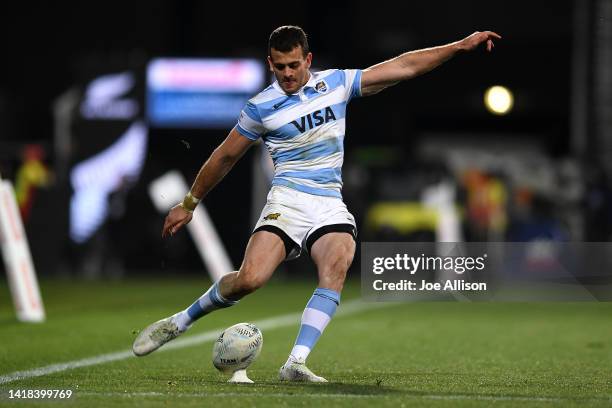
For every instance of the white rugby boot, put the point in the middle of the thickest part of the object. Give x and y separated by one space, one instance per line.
296 370
155 336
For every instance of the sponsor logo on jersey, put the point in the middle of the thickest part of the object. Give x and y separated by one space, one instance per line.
314 119
272 216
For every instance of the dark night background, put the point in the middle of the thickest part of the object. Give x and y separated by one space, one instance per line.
47 47
552 57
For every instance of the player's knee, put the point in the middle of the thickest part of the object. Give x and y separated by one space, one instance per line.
343 260
333 272
340 256
248 280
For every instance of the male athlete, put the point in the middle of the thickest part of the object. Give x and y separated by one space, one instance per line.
301 119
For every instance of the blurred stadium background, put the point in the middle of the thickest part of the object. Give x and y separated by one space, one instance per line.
100 99
75 81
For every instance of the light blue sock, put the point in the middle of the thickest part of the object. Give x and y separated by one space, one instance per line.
320 309
208 302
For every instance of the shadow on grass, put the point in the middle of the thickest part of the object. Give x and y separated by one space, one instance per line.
312 388
338 388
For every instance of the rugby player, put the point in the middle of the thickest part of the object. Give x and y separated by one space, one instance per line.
301 119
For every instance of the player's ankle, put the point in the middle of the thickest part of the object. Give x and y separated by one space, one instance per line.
182 320
294 359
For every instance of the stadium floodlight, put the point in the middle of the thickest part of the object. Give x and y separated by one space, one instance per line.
499 100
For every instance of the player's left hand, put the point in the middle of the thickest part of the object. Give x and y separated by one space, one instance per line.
473 41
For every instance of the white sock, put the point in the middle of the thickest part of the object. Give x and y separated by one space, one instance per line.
182 320
299 354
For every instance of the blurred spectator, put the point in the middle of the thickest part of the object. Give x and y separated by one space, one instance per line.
485 206
32 174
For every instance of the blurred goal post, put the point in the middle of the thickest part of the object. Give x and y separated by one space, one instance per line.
18 263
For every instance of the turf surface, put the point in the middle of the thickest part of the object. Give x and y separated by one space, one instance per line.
410 354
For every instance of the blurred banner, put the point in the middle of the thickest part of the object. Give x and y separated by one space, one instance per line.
487 271
200 93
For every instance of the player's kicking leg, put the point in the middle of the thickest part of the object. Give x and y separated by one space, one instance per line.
332 254
264 252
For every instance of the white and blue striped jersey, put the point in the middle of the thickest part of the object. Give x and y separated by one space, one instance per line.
304 132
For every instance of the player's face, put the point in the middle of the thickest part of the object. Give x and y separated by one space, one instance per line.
290 68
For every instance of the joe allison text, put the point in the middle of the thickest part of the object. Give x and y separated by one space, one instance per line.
423 285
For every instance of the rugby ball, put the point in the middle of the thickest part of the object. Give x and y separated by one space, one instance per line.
237 347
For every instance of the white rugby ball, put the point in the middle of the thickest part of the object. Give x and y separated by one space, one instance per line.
237 347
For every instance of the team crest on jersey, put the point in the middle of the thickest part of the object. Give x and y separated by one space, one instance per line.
272 216
321 87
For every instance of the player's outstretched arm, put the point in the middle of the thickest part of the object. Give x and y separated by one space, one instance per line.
414 63
212 171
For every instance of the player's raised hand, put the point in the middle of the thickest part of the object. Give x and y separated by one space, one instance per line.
473 41
176 218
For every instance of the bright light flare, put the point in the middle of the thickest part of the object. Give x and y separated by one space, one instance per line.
499 100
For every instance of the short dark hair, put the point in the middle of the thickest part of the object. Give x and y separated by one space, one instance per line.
286 38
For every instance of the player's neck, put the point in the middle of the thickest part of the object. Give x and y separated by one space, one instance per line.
307 79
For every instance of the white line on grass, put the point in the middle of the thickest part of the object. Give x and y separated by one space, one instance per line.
348 308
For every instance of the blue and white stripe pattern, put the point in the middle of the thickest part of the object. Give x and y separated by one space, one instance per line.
319 311
304 132
209 301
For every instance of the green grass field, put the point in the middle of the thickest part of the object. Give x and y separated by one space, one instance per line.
400 354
